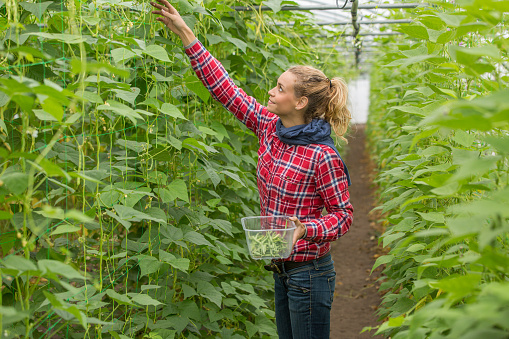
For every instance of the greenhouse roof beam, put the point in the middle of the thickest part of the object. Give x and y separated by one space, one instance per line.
360 34
324 8
372 22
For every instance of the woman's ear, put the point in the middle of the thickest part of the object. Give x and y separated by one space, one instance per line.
301 103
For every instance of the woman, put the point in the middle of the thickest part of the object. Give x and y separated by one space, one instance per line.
299 173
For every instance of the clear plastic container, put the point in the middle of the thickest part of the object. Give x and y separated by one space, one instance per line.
269 237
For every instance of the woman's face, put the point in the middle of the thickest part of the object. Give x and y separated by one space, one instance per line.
282 100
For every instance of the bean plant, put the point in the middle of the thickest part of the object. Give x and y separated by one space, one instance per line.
122 183
438 132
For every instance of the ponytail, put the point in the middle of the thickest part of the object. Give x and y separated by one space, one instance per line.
338 114
327 99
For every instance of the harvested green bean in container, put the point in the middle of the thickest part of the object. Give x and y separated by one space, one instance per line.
269 237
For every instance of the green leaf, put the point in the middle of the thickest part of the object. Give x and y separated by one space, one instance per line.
62 229
18 263
90 96
188 291
150 287
121 55
72 310
410 61
171 110
59 268
157 214
130 214
207 290
451 20
469 55
178 188
195 85
120 109
43 115
11 315
129 96
234 177
62 37
157 52
181 264
475 167
408 109
214 39
15 182
446 37
501 143
213 175
146 300
239 43
264 325
275 5
415 31
148 264
458 286
120 298
463 138
435 217
392 237
58 213
37 9
4 215
196 238
136 146
220 129
384 259
54 108
415 248
92 21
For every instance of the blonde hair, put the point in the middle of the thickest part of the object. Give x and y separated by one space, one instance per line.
327 98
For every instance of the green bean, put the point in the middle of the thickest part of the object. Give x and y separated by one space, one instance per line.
267 244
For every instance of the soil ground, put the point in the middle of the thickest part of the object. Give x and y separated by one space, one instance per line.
356 296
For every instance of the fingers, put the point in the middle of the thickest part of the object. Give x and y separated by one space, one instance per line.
170 8
164 8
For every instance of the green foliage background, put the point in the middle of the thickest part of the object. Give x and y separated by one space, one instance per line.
122 183
438 132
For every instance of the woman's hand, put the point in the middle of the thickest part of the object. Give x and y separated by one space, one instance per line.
172 19
299 231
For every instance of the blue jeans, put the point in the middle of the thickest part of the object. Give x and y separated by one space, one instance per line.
304 298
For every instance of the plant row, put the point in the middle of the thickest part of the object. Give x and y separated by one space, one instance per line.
438 130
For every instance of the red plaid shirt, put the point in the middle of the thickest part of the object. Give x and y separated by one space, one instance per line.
293 180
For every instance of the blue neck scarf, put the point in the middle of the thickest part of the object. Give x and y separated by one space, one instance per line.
316 132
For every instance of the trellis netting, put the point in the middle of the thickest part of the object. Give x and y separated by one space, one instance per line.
122 183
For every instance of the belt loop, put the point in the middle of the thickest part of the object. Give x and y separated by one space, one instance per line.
275 266
315 263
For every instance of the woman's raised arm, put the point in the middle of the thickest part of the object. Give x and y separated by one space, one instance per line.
172 19
213 75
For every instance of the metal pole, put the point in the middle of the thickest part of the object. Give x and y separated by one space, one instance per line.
325 8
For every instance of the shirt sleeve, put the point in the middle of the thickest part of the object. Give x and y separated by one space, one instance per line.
332 186
222 88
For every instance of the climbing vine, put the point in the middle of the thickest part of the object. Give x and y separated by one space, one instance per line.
122 183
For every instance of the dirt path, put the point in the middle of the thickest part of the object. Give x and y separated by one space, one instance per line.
356 295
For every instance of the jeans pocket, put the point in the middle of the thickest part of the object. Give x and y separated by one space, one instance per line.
331 281
300 282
